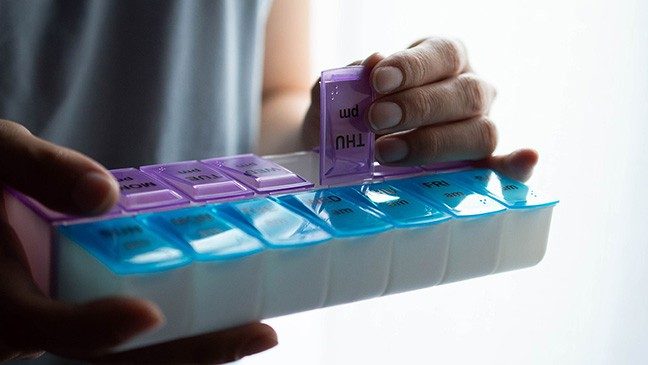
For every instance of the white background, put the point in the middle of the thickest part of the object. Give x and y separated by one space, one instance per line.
572 78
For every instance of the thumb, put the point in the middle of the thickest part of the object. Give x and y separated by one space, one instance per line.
60 178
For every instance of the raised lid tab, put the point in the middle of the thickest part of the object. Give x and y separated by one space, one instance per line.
141 191
511 193
401 208
455 198
198 181
275 224
126 246
337 211
207 234
346 142
258 173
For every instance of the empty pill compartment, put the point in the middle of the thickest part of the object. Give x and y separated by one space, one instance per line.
198 181
296 263
123 257
475 233
226 270
421 242
140 191
526 229
262 175
361 249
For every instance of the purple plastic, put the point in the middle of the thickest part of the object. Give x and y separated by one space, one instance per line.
142 191
388 171
261 175
198 180
52 215
346 142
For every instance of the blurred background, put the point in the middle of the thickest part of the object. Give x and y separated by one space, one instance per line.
572 78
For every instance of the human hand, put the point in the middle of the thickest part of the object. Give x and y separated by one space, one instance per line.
32 323
431 108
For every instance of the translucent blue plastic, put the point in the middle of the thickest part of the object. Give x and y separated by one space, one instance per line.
206 234
337 211
511 193
399 207
126 246
447 193
273 223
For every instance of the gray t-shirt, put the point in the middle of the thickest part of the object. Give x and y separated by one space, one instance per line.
135 82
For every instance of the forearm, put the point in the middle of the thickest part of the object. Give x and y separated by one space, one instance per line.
282 118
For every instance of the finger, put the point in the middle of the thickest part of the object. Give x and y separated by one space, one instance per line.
62 179
30 321
517 165
218 347
471 139
458 98
431 60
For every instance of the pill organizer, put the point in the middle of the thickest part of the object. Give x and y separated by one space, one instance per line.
225 241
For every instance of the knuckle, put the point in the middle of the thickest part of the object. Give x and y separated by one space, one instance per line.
419 108
428 146
412 64
487 131
9 129
474 92
452 54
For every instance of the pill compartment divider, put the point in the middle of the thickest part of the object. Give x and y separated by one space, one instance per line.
527 219
225 270
361 245
86 272
296 263
475 233
422 236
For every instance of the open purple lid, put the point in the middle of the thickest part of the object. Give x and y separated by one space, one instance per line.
346 141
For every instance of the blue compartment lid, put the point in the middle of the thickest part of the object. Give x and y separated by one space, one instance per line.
400 207
126 246
337 211
441 190
276 225
512 193
204 233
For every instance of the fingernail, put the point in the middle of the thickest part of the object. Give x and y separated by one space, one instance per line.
384 115
258 344
387 78
92 193
391 150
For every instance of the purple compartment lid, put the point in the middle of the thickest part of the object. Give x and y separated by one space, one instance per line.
54 216
259 174
346 141
387 171
198 180
142 191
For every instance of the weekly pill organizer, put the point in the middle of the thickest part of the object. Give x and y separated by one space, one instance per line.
225 241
